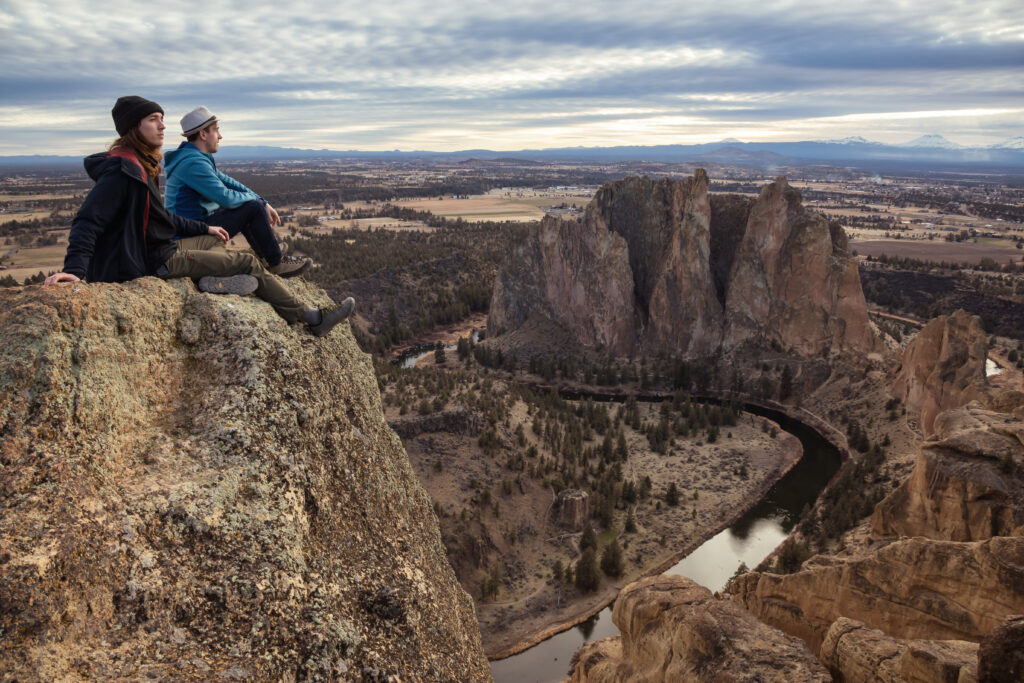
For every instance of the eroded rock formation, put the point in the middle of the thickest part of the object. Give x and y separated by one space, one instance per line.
661 266
943 367
858 653
673 629
913 588
193 490
960 573
965 485
572 509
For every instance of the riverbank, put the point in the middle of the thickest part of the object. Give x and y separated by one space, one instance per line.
529 630
447 335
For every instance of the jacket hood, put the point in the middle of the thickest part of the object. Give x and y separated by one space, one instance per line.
100 163
176 157
96 165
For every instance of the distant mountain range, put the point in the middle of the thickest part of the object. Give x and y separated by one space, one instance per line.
928 152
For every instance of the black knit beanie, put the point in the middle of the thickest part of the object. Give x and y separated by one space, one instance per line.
131 109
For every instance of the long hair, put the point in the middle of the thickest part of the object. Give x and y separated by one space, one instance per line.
147 155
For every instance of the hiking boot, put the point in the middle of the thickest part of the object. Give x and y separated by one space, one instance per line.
329 317
228 284
291 266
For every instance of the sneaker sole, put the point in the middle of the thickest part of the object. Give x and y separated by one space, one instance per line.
293 273
233 284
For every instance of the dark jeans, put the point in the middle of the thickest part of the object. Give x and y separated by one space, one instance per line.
251 220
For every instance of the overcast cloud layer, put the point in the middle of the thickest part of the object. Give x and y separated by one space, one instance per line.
447 76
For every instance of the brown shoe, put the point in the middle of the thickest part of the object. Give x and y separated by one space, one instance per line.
291 266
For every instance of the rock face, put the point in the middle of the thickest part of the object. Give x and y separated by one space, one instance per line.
965 485
943 367
672 629
858 653
192 489
572 509
663 267
958 576
1001 654
794 282
913 588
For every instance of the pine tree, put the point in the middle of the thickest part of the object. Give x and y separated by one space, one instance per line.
672 495
611 559
587 578
588 539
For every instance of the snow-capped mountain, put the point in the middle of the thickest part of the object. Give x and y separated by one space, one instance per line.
933 141
1011 143
852 140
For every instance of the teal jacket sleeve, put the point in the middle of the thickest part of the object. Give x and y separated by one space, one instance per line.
210 183
233 184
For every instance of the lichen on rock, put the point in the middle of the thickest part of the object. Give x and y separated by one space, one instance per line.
194 489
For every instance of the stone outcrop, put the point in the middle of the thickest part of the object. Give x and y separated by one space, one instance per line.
794 282
945 559
460 420
194 490
576 274
572 509
943 367
1001 654
858 653
965 485
913 588
673 629
661 266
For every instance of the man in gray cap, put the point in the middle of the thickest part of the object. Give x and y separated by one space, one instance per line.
197 190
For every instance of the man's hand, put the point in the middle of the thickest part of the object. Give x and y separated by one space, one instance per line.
272 216
219 232
60 277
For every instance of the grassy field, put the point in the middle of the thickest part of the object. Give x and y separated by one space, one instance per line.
1002 251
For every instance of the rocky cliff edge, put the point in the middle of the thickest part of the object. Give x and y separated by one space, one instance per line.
191 489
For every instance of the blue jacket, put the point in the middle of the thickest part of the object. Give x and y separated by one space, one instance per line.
122 231
195 188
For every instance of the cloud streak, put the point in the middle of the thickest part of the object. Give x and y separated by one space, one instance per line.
443 75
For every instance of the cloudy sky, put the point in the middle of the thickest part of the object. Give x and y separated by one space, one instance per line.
439 75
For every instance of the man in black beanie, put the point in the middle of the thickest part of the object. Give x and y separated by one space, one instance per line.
131 109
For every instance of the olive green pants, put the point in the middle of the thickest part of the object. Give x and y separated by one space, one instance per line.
198 257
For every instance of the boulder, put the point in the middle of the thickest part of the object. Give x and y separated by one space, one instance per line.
673 629
858 654
192 489
1001 654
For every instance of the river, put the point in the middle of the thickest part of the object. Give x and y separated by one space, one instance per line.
747 541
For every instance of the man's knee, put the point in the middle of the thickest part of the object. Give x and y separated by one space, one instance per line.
252 208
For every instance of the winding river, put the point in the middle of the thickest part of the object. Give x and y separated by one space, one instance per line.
747 541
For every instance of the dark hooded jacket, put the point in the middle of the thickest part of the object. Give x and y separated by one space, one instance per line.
122 230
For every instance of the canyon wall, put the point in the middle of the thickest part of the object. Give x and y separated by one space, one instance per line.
194 490
945 558
943 367
662 266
